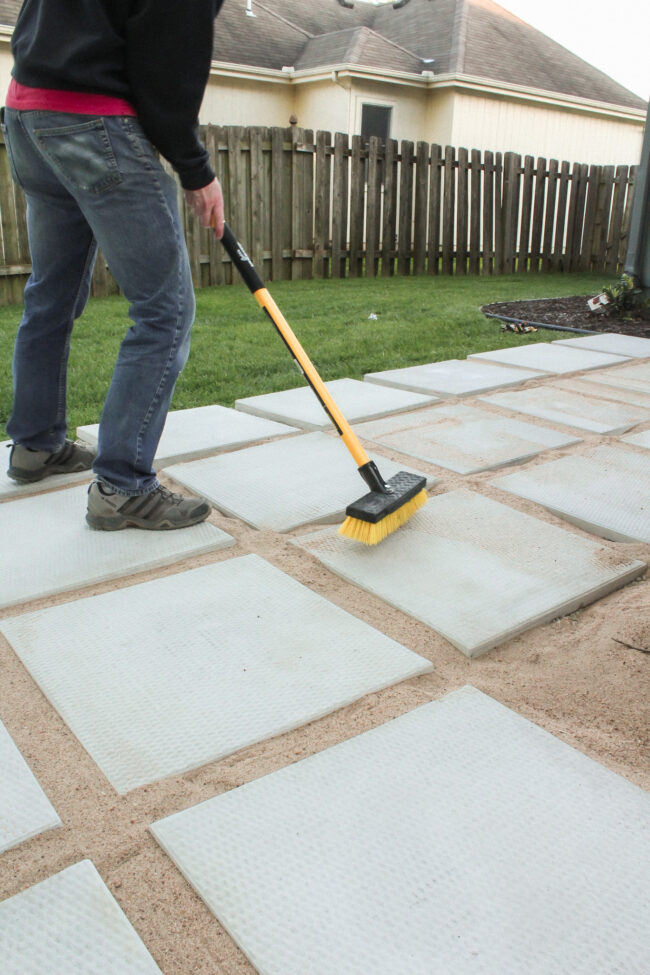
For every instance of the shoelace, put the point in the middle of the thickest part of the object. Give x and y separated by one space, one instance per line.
170 496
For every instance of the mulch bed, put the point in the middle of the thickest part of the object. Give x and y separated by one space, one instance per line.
572 312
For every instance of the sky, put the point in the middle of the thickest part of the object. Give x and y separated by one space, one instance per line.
614 37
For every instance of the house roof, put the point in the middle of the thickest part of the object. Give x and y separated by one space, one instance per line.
476 38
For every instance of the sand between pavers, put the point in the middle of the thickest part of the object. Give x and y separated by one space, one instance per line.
458 838
477 571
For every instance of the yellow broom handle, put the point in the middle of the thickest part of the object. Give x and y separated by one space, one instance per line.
266 301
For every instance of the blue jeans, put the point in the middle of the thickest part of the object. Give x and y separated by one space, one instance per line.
92 181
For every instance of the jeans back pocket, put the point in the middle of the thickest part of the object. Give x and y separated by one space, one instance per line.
82 154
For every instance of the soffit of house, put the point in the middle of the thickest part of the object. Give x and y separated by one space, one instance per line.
357 46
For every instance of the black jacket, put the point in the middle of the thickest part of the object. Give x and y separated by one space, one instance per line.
155 53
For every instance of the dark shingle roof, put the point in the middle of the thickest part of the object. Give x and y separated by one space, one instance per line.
468 37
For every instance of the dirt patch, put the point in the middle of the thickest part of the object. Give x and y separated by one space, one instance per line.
572 312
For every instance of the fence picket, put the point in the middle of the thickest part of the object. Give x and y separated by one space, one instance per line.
558 262
593 190
421 212
462 201
322 204
618 206
602 216
488 213
357 190
498 214
538 215
405 209
475 213
340 206
389 215
448 211
510 206
435 174
526 214
551 196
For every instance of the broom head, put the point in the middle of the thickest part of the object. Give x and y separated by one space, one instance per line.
378 513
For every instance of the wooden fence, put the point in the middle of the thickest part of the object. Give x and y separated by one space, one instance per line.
324 207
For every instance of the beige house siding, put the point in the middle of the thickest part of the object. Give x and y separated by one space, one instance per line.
497 122
445 111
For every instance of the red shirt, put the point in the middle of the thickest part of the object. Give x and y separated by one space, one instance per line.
24 98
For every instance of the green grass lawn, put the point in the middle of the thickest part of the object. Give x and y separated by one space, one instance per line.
236 351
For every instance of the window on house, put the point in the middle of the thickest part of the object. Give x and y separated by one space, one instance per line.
375 120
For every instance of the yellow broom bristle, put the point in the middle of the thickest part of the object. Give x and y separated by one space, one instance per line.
371 533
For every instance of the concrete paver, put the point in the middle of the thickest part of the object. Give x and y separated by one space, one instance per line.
255 653
634 377
48 548
604 490
283 484
203 430
70 924
626 345
477 571
550 357
25 810
462 438
571 409
357 401
453 377
407 849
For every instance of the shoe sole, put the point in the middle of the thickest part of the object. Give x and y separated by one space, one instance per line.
112 524
31 477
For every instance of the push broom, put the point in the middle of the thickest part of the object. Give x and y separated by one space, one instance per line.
388 504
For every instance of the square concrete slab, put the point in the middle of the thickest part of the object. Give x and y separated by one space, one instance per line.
571 409
253 652
477 571
284 484
357 401
602 391
203 430
458 838
48 548
604 491
639 439
70 924
626 345
453 377
25 810
11 489
550 357
635 377
462 438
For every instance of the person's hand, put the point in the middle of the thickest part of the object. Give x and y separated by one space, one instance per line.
207 204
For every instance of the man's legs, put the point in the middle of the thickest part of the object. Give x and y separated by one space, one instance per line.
108 175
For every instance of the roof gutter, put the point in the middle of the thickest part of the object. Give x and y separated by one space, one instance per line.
343 74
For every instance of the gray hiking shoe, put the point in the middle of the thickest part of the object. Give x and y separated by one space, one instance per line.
27 466
160 510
